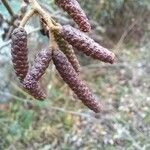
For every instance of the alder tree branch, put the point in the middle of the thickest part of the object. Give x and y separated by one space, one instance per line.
7 6
50 22
27 16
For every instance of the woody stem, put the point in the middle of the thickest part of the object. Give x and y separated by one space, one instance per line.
27 16
34 4
9 9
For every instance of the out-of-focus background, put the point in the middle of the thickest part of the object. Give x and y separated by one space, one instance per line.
62 122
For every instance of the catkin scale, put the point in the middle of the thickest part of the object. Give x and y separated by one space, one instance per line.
67 49
73 8
19 52
69 75
33 88
38 68
85 44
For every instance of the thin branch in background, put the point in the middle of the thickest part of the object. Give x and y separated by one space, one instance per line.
48 106
9 33
130 28
6 4
120 42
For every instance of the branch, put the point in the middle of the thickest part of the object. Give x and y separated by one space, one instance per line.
28 15
51 24
6 4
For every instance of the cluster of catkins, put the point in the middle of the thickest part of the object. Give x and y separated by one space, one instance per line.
63 56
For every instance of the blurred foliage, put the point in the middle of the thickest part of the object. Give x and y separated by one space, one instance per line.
118 15
62 122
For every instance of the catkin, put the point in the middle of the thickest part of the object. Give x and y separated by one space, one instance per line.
40 64
85 44
19 52
69 75
73 8
67 49
38 68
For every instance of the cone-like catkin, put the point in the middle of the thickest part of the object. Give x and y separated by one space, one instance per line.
40 64
68 51
19 52
72 7
69 75
85 44
37 69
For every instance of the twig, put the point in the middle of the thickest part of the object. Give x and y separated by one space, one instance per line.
9 33
51 107
135 144
90 66
130 28
5 44
125 34
47 104
27 16
50 22
6 4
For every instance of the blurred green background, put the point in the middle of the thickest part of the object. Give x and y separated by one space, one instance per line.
62 122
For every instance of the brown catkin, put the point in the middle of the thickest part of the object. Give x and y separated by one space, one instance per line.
33 88
85 44
38 68
19 52
73 8
40 64
67 49
69 75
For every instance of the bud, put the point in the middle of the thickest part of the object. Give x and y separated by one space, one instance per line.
69 75
68 51
19 52
72 7
85 44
